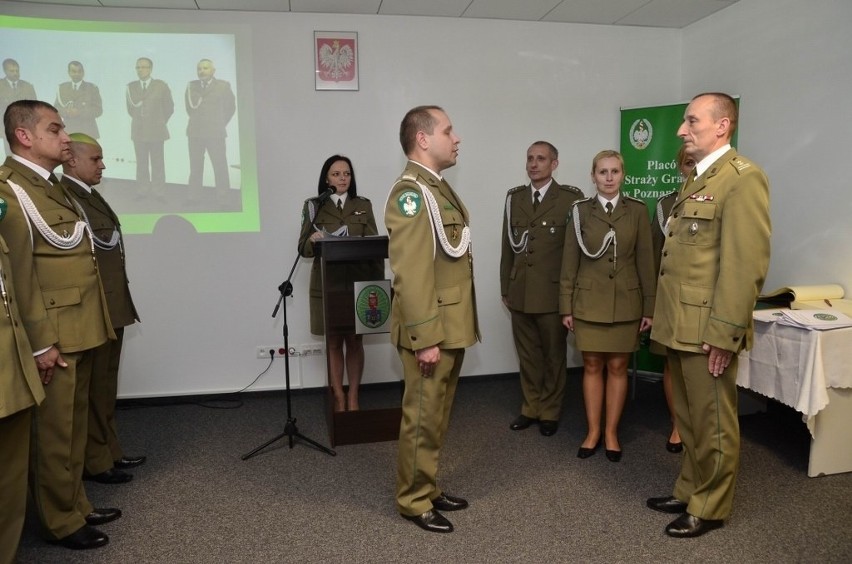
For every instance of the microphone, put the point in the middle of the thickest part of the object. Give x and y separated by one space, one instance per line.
325 195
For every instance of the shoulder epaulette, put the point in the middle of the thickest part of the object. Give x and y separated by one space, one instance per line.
517 189
629 198
4 173
583 200
667 195
740 163
362 198
569 188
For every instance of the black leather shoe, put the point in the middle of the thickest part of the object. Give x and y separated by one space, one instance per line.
111 476
102 515
668 504
446 502
674 447
548 428
83 538
613 455
521 422
126 462
431 521
687 526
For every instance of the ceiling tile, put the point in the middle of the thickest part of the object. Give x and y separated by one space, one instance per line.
449 8
530 10
593 11
674 13
336 6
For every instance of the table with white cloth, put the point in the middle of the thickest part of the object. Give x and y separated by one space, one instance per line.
810 371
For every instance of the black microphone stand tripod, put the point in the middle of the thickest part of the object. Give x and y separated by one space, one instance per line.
290 429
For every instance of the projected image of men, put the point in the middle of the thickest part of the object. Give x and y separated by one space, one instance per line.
150 105
210 105
79 102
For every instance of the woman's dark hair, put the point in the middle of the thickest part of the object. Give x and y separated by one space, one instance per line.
322 185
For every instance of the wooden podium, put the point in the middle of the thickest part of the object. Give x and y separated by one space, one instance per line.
344 261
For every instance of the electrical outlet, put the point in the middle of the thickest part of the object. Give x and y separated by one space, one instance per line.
263 352
312 349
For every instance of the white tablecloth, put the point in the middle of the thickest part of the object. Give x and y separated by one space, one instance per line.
796 366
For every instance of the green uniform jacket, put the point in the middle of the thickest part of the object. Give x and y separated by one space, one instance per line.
358 216
529 278
20 386
433 301
61 299
150 110
709 276
111 267
609 289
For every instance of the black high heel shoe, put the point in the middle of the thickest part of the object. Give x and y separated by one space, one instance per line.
587 452
674 447
613 455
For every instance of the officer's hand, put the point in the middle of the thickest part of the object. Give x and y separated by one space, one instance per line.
427 359
717 359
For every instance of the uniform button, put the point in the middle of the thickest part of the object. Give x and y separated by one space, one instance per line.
52 302
736 339
671 233
674 215
611 276
695 212
662 273
440 301
704 302
665 253
413 338
610 259
531 251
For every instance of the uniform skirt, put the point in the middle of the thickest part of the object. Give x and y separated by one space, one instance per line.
620 337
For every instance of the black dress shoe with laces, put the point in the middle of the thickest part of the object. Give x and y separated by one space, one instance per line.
102 515
111 476
431 521
687 526
84 538
446 502
521 422
668 504
126 462
547 427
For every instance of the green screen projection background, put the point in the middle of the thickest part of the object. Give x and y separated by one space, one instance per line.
108 52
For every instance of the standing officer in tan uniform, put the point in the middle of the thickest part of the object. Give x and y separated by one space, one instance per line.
713 266
533 236
105 460
56 276
433 316
20 391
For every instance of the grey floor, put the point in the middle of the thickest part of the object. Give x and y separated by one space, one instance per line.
531 499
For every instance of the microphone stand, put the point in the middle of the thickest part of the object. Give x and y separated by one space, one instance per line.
290 429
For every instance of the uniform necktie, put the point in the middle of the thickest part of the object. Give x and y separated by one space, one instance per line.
52 179
536 199
609 208
76 86
144 86
340 205
15 85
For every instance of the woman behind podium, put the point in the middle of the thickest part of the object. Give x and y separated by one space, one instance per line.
343 214
607 288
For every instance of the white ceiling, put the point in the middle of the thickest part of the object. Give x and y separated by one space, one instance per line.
648 13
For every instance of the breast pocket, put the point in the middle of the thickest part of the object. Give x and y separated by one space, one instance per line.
357 225
697 225
453 225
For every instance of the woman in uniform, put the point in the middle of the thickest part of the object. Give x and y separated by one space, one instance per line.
607 288
685 164
343 214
